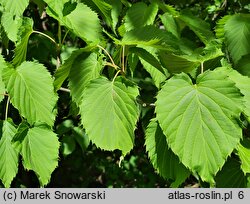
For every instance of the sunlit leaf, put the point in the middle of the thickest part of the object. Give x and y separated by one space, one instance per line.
16 7
86 27
40 150
2 86
9 156
109 114
21 47
31 91
200 120
11 25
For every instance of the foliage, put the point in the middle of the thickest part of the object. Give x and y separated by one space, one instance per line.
95 81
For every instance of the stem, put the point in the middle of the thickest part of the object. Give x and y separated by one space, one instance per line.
126 63
65 37
120 161
116 75
59 35
7 108
123 59
4 94
111 59
50 38
145 104
202 68
65 90
58 62
222 6
120 57
111 65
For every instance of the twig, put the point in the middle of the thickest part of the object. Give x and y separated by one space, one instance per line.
111 59
202 67
123 59
4 94
223 5
65 90
116 75
50 38
7 108
65 37
145 104
111 65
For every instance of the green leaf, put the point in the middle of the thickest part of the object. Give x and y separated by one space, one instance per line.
40 4
133 61
231 175
167 8
248 182
170 24
162 158
87 26
21 47
242 83
31 91
243 65
152 36
109 114
177 64
200 120
140 15
40 149
157 76
148 58
63 71
85 68
101 7
81 138
11 25
16 7
68 145
64 127
3 65
244 155
237 35
220 28
115 12
198 26
9 156
21 133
